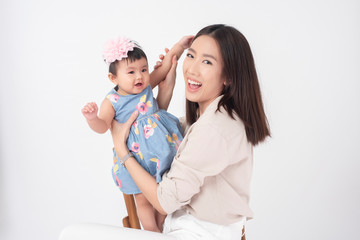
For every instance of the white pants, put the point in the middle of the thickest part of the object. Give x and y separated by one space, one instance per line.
183 225
179 225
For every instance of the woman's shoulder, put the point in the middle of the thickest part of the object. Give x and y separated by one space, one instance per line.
223 123
219 118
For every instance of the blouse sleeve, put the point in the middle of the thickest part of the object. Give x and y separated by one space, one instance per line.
204 154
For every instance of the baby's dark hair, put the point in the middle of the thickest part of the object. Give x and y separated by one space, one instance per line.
133 55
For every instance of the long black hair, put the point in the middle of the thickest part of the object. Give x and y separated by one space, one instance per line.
241 93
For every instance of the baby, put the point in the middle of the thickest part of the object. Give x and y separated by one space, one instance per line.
155 135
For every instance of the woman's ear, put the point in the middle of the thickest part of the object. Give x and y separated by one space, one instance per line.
112 78
223 78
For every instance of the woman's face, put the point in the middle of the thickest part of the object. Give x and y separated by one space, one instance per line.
202 70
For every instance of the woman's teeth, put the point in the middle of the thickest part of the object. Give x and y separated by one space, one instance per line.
194 83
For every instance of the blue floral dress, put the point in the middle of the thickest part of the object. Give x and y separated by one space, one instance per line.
153 139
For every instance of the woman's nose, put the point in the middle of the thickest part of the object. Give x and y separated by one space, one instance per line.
192 67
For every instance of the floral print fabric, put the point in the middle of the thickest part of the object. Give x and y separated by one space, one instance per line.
153 139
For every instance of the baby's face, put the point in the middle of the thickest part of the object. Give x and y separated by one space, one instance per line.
132 77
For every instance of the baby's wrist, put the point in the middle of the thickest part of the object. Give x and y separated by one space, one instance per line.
179 46
92 119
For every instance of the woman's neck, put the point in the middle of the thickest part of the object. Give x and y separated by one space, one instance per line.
203 106
201 110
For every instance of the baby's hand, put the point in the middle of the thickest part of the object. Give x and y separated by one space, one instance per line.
90 111
186 41
161 56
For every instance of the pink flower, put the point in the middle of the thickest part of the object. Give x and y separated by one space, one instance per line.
118 181
117 49
113 98
135 147
142 107
148 131
157 161
136 130
158 164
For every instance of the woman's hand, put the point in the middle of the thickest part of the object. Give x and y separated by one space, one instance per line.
120 134
185 42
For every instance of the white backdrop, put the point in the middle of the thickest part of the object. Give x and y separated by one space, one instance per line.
54 171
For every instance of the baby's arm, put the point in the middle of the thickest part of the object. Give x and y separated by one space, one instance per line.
101 123
159 73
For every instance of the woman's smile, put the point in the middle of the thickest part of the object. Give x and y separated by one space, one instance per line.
193 85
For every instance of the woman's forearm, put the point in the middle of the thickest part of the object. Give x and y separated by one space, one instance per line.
145 182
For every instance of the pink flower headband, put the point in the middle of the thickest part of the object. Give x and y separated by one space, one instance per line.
117 49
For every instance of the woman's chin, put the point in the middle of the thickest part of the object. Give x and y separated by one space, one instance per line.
190 97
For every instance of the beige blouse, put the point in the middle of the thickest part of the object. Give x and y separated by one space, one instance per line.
211 172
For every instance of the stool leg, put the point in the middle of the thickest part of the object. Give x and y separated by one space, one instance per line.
131 210
126 222
243 234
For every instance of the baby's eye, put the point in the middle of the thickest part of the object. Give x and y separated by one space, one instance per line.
144 70
131 72
207 62
189 55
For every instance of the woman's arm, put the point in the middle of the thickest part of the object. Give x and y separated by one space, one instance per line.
160 72
145 182
206 154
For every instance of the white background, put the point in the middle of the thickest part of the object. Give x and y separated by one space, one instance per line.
54 171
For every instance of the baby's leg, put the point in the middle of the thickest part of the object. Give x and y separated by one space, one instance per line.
146 213
160 218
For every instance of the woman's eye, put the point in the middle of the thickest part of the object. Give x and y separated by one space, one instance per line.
207 62
189 55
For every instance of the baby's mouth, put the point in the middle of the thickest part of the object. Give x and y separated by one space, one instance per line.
139 84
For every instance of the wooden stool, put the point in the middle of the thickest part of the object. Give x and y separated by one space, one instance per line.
132 220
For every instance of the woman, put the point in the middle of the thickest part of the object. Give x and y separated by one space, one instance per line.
206 191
